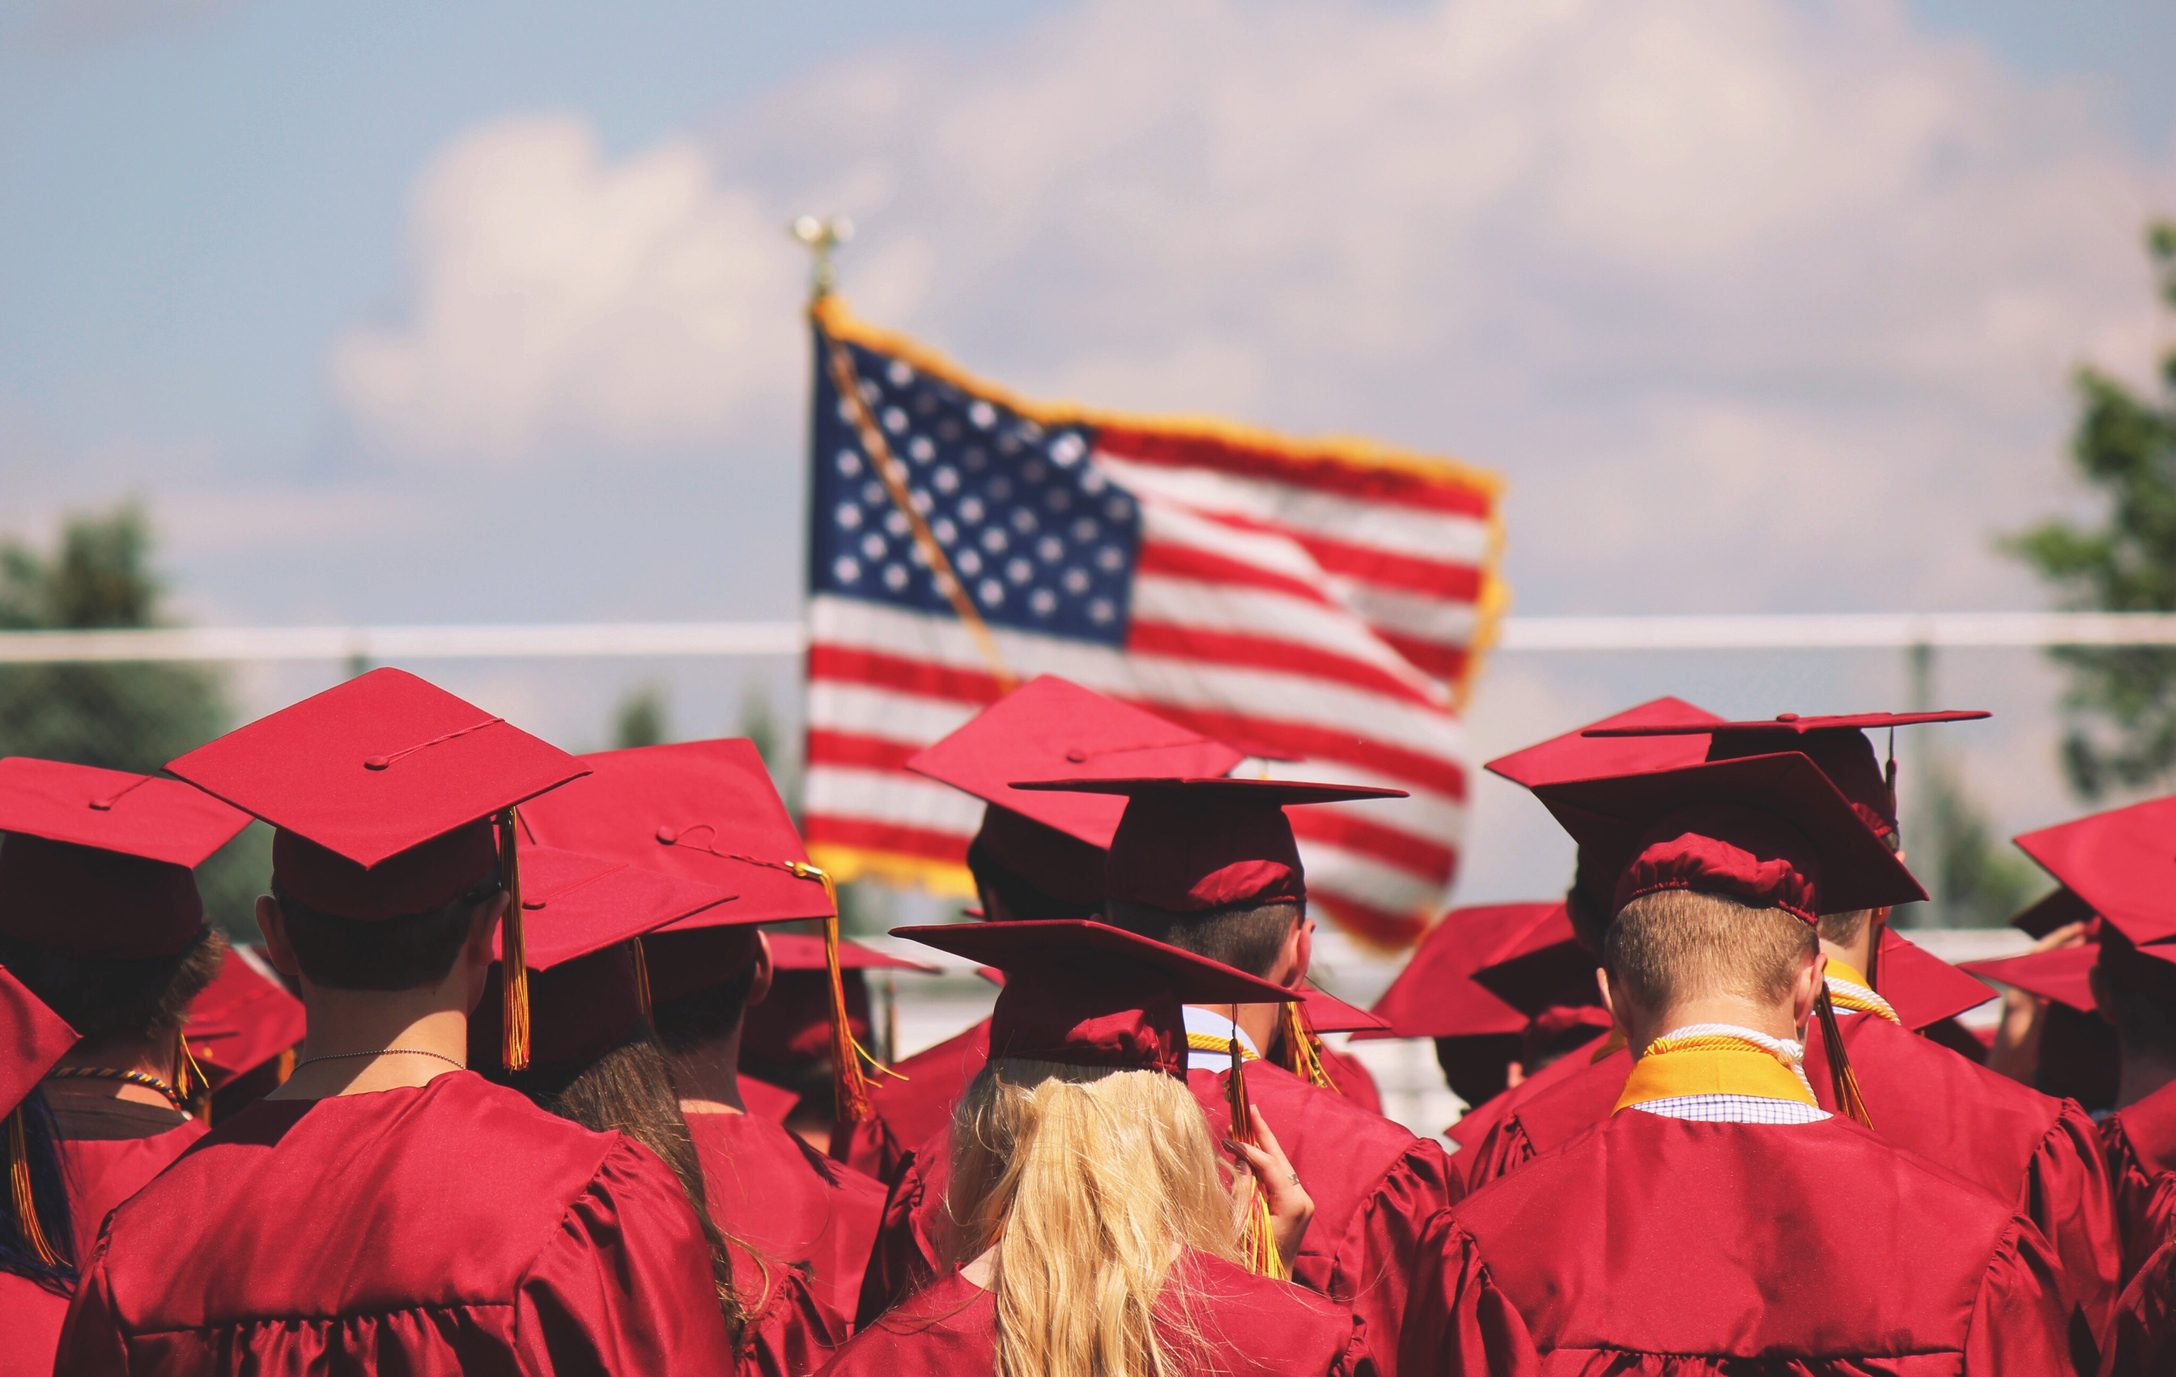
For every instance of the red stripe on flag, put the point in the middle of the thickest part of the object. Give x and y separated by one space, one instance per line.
1189 561
1446 579
1401 487
1267 652
826 747
922 679
922 843
1366 837
1382 927
1445 662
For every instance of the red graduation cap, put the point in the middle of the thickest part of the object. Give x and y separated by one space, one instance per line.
1581 754
1770 830
2063 974
2120 864
97 862
1326 1013
392 797
708 811
588 975
1837 743
1194 845
793 951
242 1020
1436 995
1050 729
1083 993
32 1040
1922 987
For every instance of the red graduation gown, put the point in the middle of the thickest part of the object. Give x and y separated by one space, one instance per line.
912 1111
2141 1336
810 1224
2038 1152
1481 1147
2139 1142
1374 1184
103 1172
1252 1327
1696 1246
30 1318
1353 1080
429 1231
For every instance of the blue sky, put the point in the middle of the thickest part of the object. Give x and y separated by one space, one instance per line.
1784 280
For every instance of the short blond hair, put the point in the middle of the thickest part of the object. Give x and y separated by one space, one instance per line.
1680 944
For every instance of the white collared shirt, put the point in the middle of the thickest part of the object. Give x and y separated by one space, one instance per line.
1220 1027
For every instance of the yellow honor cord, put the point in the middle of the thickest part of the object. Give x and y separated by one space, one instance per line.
513 959
1303 1050
1710 1064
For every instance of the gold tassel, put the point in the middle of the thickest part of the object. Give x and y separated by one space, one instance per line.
190 1082
26 1202
850 1082
1303 1049
642 980
513 959
1843 1081
1257 1237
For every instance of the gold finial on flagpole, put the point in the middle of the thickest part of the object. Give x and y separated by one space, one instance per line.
821 234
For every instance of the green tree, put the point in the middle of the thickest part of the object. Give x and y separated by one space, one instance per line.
641 719
2121 701
122 716
137 717
1975 877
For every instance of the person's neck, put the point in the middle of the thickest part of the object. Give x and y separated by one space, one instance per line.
1257 1021
1858 953
146 1056
2138 1076
412 1037
708 1076
1771 1020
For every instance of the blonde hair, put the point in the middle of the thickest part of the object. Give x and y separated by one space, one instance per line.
1680 944
1088 1184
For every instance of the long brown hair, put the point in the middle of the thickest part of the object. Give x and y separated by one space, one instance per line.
1088 1185
629 1090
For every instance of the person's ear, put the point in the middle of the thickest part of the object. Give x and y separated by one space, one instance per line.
272 922
1607 985
760 986
1806 989
1300 951
476 952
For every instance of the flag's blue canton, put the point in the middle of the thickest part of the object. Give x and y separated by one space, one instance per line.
1041 540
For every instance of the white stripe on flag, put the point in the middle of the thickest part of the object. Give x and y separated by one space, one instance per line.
1450 537
892 797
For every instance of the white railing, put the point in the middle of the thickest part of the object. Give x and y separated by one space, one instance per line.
1780 631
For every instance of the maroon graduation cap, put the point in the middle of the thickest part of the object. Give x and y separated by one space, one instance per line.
98 862
2120 864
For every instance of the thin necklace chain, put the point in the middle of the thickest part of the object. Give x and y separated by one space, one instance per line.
385 1052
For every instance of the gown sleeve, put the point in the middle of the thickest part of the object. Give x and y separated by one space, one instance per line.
90 1338
625 1283
2141 1339
1376 1266
2021 1317
1457 1323
2068 1194
902 1261
1501 1150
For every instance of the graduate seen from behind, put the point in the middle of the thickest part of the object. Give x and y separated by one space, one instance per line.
387 1208
1720 1218
1089 1229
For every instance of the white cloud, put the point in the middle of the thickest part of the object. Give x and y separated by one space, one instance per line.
1784 281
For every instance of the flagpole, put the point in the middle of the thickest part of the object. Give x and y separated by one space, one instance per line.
822 235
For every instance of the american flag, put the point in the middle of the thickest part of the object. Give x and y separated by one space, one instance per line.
1320 604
